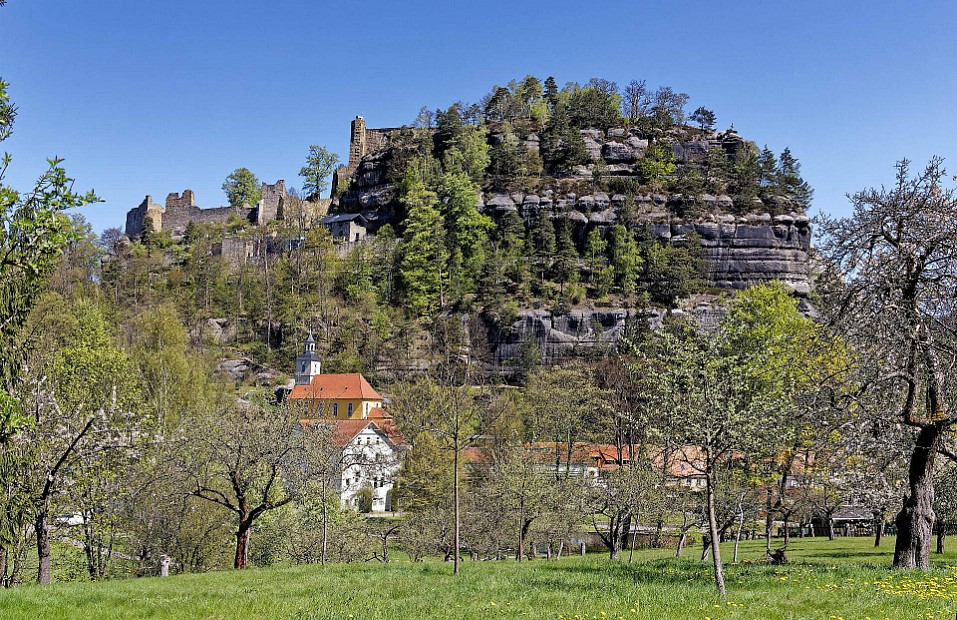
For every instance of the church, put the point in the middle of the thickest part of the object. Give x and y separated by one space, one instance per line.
371 443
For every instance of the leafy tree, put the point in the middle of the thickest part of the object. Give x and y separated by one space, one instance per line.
450 415
596 105
669 107
657 164
320 163
83 397
468 152
672 271
33 235
242 188
245 458
892 299
596 248
625 258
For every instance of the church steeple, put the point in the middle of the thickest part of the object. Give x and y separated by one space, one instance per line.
307 364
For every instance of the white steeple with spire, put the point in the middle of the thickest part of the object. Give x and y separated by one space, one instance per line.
307 364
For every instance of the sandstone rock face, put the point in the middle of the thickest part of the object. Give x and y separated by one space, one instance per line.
567 336
772 242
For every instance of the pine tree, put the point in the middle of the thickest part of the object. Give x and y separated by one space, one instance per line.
466 232
422 268
566 254
790 182
542 237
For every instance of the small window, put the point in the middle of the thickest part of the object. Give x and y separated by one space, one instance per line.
350 410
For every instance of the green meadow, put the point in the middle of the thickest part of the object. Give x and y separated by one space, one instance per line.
846 578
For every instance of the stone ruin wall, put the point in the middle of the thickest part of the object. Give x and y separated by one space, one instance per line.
181 209
272 195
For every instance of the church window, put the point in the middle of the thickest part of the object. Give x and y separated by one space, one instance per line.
350 410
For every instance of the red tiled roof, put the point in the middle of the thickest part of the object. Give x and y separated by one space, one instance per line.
378 413
344 431
335 387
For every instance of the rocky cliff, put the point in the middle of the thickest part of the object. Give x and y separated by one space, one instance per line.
746 240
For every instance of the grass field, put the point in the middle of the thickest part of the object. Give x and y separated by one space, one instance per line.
846 578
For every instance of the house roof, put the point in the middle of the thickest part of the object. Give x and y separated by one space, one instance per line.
344 431
343 217
335 387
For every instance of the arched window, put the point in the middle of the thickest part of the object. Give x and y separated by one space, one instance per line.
350 410
335 410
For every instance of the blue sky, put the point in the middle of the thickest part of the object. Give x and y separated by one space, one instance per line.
155 97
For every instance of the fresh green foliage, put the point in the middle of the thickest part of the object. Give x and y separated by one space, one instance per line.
242 188
320 163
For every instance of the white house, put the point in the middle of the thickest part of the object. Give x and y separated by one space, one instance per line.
371 453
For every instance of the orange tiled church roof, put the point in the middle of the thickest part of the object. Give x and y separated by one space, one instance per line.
330 387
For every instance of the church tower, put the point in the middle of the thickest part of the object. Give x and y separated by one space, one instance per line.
307 364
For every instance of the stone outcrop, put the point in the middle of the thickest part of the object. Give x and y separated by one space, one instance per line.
566 336
771 241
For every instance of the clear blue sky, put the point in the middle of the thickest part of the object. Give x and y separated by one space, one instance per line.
155 97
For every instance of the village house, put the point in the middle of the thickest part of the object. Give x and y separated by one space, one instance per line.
371 444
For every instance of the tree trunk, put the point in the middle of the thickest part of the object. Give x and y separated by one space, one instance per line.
325 524
941 536
681 544
737 536
43 545
713 530
561 547
521 531
455 493
878 529
915 521
631 548
787 530
768 524
830 527
242 544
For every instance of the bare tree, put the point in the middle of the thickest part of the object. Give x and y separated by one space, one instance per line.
893 295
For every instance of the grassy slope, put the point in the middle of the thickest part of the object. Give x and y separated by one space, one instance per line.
846 578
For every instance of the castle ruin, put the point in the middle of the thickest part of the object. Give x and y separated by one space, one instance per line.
362 141
180 209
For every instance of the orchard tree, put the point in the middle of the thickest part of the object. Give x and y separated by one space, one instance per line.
244 457
242 188
893 294
320 163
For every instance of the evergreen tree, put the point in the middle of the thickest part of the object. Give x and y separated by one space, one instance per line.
602 274
542 237
466 232
566 254
422 267
768 169
790 182
551 94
